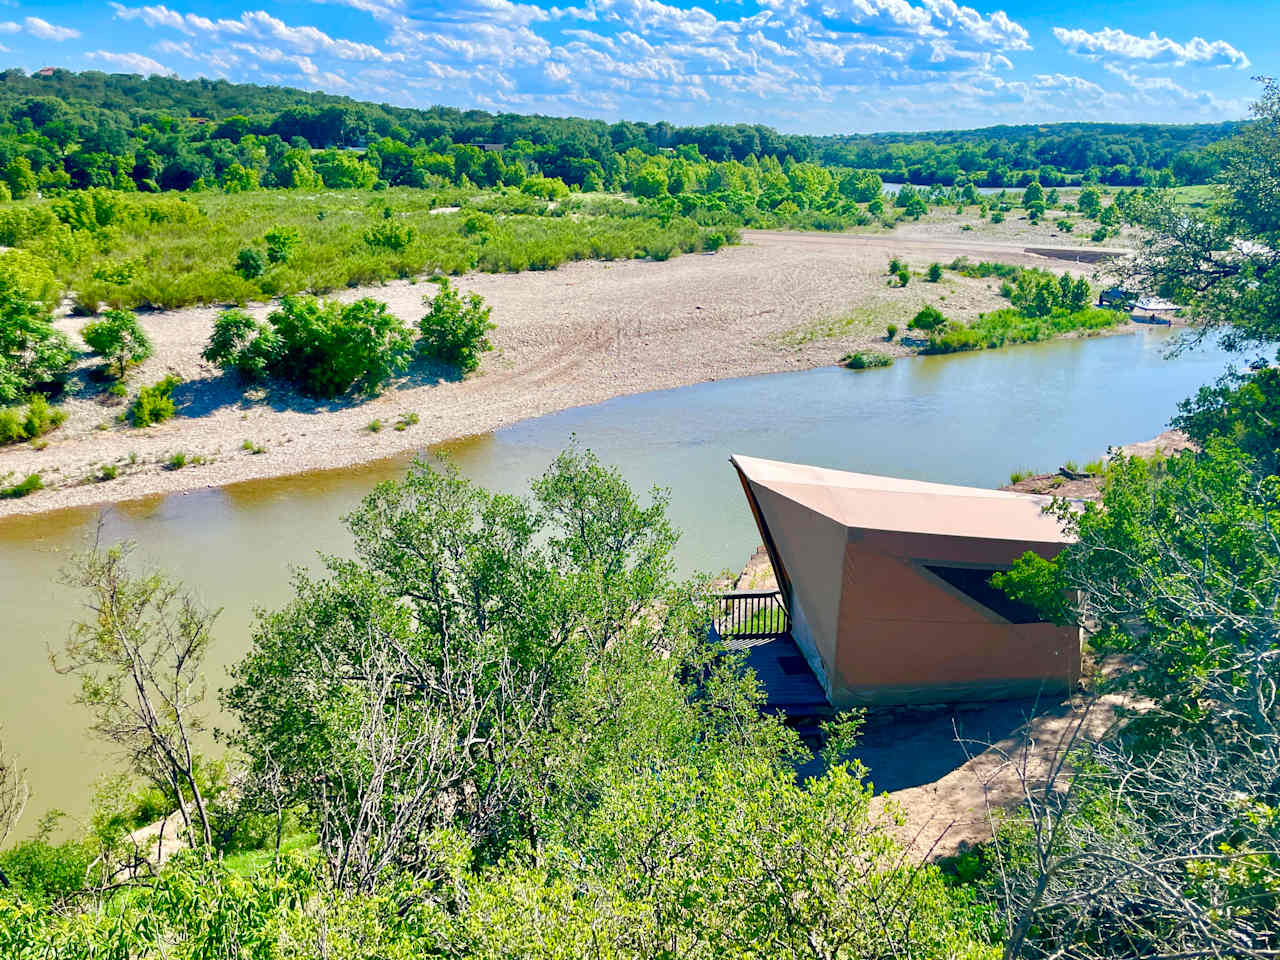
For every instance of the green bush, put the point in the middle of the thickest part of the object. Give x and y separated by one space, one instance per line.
21 489
26 423
326 348
389 236
249 263
281 242
891 331
455 331
895 265
32 275
32 352
1002 327
935 273
242 344
118 338
929 319
904 276
154 404
866 360
41 871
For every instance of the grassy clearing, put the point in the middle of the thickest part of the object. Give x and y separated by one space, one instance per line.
867 317
121 250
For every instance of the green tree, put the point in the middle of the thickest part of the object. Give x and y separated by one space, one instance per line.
327 348
453 331
242 344
20 178
119 339
32 351
930 319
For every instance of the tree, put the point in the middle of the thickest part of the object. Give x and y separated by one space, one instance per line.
139 656
1090 202
20 178
31 350
14 794
326 348
1223 264
934 273
929 319
1033 195
242 344
119 339
455 332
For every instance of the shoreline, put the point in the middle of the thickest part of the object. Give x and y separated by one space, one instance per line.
579 335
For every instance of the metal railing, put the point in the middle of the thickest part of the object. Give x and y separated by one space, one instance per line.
752 615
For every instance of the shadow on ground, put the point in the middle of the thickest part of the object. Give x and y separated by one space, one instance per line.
207 395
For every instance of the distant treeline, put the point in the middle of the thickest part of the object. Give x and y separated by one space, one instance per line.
71 130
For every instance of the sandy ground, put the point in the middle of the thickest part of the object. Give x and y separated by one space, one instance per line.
577 335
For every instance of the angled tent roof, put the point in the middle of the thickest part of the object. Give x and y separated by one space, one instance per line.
872 502
885 580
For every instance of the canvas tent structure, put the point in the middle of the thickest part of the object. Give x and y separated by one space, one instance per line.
886 583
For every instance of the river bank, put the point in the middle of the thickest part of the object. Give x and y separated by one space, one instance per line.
578 335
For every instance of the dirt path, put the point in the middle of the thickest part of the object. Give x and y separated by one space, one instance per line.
577 335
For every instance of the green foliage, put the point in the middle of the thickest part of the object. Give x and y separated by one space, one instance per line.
455 331
242 344
934 273
890 331
929 319
389 236
1243 408
154 404
1039 293
281 242
32 275
328 348
31 350
1003 327
866 359
984 269
118 338
34 419
249 263
22 488
41 871
904 276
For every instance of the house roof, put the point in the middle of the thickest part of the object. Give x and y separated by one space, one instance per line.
870 502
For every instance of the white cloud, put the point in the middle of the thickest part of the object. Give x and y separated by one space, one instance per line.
49 31
1151 48
131 62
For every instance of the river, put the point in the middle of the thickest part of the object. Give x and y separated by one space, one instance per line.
966 418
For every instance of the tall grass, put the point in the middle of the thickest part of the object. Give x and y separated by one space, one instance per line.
1002 327
184 251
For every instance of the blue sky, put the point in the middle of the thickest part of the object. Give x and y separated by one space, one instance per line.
805 66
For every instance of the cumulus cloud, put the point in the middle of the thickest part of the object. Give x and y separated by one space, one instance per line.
129 62
1152 48
45 30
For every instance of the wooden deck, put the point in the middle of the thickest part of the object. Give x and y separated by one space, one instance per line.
789 684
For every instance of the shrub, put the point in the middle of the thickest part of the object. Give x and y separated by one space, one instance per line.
31 350
1098 235
280 243
866 360
935 273
895 265
154 404
326 348
248 263
1001 327
904 276
177 461
26 423
929 319
997 216
21 489
118 338
891 331
455 331
389 236
242 344
32 275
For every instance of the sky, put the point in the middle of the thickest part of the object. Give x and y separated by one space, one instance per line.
802 66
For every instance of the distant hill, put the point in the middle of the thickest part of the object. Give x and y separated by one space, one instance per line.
113 113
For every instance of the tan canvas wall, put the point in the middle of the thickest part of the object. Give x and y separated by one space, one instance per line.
812 549
906 636
878 627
